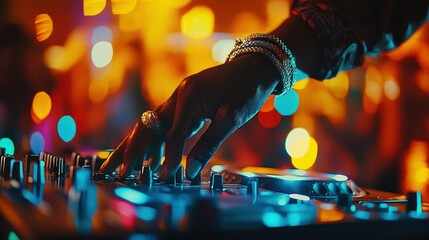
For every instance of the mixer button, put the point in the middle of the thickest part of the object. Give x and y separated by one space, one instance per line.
320 189
344 202
252 187
414 202
37 172
6 166
196 180
146 175
17 171
217 182
345 188
333 188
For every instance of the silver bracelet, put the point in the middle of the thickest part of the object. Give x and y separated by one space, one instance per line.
275 50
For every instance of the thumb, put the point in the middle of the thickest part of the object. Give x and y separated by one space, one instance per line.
221 127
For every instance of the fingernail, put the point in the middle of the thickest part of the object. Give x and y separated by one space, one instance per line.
163 172
192 169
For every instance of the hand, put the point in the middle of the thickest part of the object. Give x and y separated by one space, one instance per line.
229 95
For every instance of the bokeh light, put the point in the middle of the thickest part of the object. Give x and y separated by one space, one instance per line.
391 89
198 22
221 49
98 90
102 54
339 86
37 142
120 7
269 119
55 57
268 105
66 128
373 85
297 142
44 26
93 7
8 144
307 161
301 84
42 105
288 103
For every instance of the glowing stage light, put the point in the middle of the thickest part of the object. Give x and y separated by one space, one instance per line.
269 119
339 86
288 103
37 142
301 84
308 160
120 7
373 84
297 142
221 49
7 143
66 128
93 7
44 27
391 89
42 105
98 90
268 105
198 23
102 54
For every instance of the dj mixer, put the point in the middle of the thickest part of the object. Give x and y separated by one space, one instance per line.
66 197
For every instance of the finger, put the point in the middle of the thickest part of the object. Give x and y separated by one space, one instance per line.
155 156
136 147
180 131
222 126
115 158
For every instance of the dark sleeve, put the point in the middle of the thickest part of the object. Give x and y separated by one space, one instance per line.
350 29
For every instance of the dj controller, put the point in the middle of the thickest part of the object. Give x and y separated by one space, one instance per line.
66 197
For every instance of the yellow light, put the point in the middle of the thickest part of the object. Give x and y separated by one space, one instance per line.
103 154
373 84
308 160
422 175
297 142
177 3
93 7
44 27
130 22
98 90
391 89
42 105
198 22
221 49
120 7
301 84
339 86
277 11
102 54
55 58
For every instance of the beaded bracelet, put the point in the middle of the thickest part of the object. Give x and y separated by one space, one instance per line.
275 50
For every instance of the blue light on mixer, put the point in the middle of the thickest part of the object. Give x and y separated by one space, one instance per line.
66 128
37 142
7 143
288 103
272 219
131 195
146 213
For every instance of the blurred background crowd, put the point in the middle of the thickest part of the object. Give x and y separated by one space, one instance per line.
76 75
